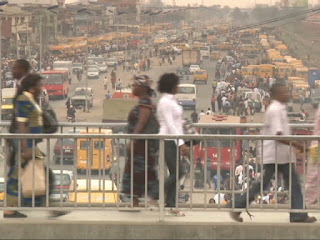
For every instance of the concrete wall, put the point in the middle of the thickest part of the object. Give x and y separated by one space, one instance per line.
59 229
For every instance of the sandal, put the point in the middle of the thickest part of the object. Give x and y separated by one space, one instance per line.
16 214
175 213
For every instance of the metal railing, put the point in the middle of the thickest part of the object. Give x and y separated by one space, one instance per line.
94 178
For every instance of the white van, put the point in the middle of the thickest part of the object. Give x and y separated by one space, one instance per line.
187 96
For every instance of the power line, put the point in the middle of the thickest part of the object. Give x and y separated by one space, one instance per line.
277 19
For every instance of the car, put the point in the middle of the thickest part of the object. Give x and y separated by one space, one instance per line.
61 185
102 67
193 69
91 62
200 76
63 150
79 97
77 67
112 62
183 70
94 66
93 73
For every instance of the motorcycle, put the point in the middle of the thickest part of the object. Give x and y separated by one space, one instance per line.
71 119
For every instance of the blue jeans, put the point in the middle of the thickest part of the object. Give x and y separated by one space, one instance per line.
296 194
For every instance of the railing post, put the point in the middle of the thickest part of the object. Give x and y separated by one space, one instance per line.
161 180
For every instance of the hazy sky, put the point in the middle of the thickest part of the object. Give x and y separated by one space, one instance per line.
231 3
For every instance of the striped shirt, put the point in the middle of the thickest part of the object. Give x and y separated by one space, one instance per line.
28 111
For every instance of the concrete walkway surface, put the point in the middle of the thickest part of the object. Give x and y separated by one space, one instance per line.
112 224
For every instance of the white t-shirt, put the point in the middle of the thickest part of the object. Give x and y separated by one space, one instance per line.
224 99
219 196
276 121
209 112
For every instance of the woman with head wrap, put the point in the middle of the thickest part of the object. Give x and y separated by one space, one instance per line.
139 122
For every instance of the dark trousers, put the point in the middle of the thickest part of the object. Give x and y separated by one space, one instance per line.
213 106
171 182
296 194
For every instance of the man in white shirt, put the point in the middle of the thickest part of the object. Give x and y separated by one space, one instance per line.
224 100
277 154
171 120
201 114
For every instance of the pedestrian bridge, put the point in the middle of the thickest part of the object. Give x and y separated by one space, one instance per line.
107 224
98 219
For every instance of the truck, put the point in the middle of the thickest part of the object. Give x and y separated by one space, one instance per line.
64 65
116 110
314 75
191 57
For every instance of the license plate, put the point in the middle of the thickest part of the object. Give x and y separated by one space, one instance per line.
67 150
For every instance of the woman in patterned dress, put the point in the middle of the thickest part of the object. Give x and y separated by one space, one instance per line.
138 119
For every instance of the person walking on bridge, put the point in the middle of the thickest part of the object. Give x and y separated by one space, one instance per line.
277 154
140 121
170 116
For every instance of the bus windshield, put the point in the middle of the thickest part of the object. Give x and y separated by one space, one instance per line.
219 131
186 90
52 79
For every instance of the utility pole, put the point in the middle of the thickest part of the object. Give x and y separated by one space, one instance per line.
17 37
40 32
87 55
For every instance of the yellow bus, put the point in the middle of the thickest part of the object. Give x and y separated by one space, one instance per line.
266 70
283 70
247 70
94 154
93 191
302 72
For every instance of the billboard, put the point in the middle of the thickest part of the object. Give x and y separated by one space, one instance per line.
294 3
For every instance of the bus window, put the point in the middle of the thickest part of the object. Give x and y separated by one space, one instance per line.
99 145
84 145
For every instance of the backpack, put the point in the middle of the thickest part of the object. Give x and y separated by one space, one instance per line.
152 127
50 121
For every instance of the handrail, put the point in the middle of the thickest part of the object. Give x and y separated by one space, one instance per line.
199 125
161 137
